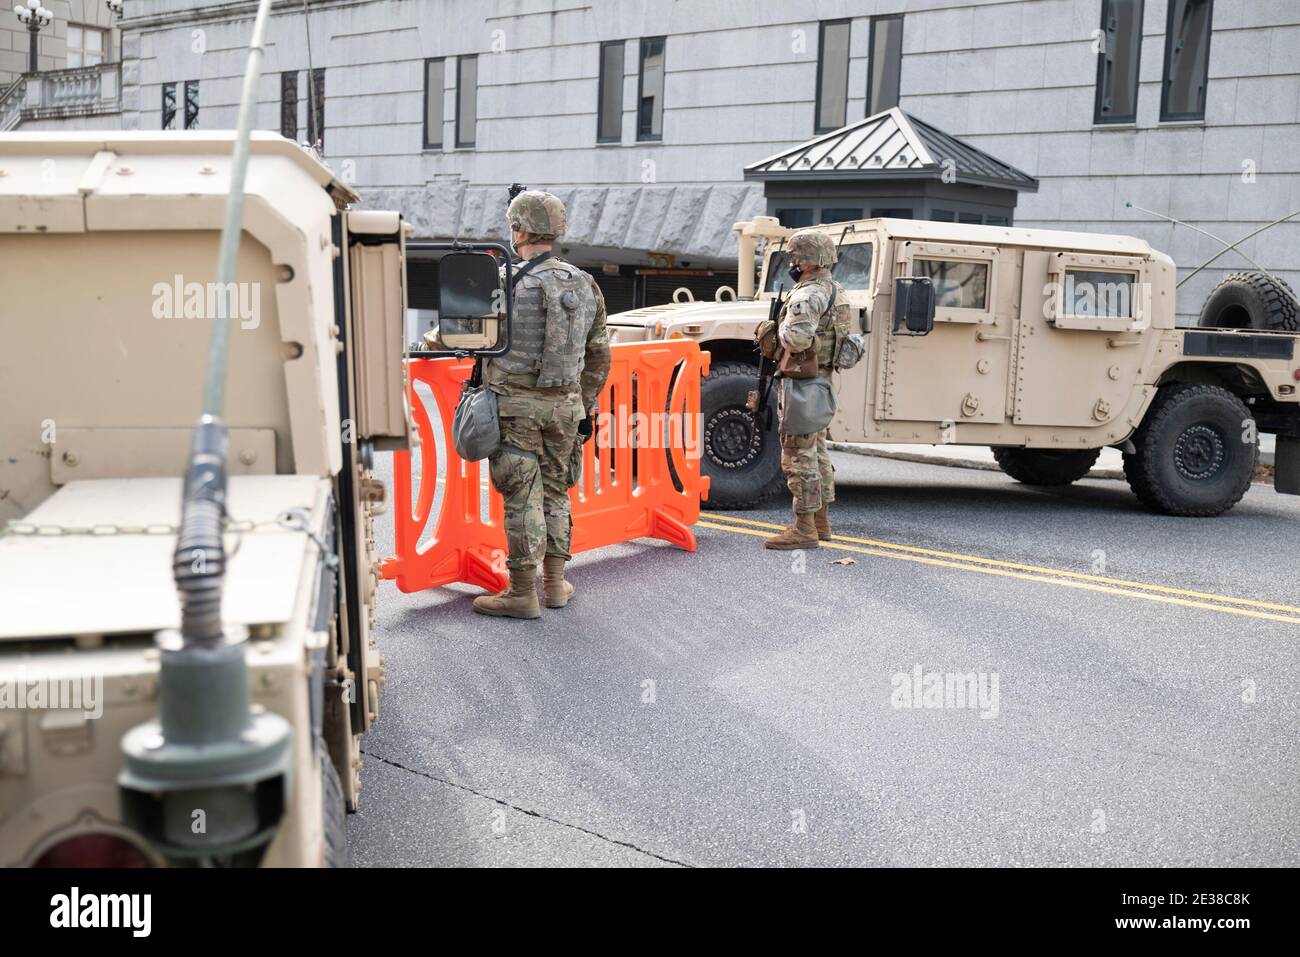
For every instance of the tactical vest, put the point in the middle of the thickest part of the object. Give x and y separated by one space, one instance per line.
833 325
554 308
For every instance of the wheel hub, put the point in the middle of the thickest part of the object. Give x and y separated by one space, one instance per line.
1199 453
731 439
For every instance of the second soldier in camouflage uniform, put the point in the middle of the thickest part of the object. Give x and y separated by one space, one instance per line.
810 321
546 388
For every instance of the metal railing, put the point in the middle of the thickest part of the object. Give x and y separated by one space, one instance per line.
78 91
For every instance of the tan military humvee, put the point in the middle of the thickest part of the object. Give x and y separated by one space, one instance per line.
1045 345
110 247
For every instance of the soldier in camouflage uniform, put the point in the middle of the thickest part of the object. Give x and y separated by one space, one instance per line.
546 388
816 317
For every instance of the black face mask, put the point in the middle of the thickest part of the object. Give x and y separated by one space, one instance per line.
796 273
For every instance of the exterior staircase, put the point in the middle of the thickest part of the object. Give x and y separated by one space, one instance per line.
62 94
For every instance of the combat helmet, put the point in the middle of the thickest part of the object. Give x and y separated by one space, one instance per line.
537 212
811 247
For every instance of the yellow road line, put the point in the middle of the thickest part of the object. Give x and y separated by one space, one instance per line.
1049 579
1035 569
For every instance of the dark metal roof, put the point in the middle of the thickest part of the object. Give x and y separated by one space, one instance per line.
890 145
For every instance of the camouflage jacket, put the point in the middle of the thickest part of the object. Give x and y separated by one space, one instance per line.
595 360
806 315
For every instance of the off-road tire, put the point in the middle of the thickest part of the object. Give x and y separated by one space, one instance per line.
334 812
742 461
1190 457
1251 300
1045 466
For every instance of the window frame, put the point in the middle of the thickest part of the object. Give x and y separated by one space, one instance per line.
168 123
958 253
871 56
289 78
818 128
81 51
316 124
190 121
1127 119
650 137
1061 264
460 76
1165 82
602 78
442 108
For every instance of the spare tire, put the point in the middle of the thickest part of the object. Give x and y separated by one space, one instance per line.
1251 300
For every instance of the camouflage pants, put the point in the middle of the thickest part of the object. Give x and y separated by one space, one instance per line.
808 470
532 471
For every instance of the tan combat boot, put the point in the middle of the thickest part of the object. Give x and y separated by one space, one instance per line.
517 601
556 592
802 533
822 520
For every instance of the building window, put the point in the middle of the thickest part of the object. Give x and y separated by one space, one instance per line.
466 100
1118 61
942 216
316 109
435 83
191 104
795 218
650 91
289 105
891 212
86 45
609 124
840 214
168 106
1187 60
886 63
832 75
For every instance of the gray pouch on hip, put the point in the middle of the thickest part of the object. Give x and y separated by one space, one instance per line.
807 405
476 427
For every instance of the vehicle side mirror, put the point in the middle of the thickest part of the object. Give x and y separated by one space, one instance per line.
473 305
913 306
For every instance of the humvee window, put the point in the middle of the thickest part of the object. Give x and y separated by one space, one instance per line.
1096 293
777 272
957 285
853 271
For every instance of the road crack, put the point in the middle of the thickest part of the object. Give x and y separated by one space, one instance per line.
523 810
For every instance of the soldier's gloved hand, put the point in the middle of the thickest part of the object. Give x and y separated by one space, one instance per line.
586 428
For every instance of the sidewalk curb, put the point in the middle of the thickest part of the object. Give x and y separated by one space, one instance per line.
951 462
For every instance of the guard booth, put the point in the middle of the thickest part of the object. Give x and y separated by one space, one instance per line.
890 165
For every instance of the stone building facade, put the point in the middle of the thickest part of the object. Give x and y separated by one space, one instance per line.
643 114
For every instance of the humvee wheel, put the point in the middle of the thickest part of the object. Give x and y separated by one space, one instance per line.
1191 456
742 461
334 812
1045 466
1250 300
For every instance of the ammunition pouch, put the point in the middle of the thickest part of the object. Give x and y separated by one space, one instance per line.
799 365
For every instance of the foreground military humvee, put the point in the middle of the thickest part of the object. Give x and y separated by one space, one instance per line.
109 243
1047 346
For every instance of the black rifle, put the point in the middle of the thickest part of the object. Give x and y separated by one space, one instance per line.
515 189
767 367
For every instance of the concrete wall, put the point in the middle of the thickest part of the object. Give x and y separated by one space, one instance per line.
1014 78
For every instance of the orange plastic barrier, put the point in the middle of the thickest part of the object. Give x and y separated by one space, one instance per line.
650 404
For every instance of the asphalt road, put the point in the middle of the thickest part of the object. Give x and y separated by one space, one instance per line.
736 706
